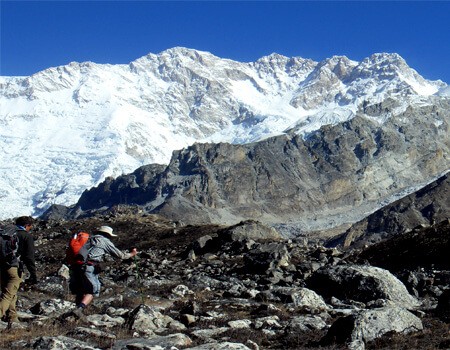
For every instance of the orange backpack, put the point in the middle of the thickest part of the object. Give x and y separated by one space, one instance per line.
78 249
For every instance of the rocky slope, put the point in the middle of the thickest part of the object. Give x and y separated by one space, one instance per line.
423 208
338 175
238 287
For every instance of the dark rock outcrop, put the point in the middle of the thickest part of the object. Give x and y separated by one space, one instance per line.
134 188
428 206
429 246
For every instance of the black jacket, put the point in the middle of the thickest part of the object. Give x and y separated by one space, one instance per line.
26 252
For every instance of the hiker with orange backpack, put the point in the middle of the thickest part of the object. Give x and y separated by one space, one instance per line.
85 253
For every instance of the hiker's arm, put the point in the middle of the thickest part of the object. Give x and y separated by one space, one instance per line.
28 257
114 251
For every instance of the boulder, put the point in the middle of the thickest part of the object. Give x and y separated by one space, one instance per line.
253 230
146 320
304 297
265 257
367 325
54 307
61 342
361 283
105 320
221 346
305 323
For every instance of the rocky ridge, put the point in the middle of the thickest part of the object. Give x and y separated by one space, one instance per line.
338 175
420 209
238 287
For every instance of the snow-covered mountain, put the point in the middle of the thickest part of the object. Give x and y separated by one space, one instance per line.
65 129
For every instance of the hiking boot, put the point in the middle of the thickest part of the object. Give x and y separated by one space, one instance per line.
79 314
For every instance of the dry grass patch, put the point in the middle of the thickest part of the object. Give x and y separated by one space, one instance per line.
8 337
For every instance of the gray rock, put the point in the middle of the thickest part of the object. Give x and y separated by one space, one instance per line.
240 324
304 297
306 323
105 320
84 332
54 307
64 272
252 345
209 334
60 342
114 312
181 291
253 230
55 285
221 346
361 283
14 326
368 325
269 322
146 320
171 341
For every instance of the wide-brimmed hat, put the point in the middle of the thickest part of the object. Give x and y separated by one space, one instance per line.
106 229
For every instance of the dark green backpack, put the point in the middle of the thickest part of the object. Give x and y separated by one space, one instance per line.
9 243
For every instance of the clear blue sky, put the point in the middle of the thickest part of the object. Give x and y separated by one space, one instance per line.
39 34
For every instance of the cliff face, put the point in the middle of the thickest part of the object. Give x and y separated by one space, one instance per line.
131 188
339 174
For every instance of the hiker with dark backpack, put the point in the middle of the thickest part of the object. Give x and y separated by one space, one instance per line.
84 255
16 250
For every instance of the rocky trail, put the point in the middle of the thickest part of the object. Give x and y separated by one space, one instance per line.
239 287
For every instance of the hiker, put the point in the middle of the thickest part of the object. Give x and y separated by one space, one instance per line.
12 268
84 281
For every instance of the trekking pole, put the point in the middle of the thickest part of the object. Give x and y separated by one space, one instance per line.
139 279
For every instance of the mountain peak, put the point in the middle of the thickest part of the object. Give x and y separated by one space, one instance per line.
386 56
110 119
273 57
